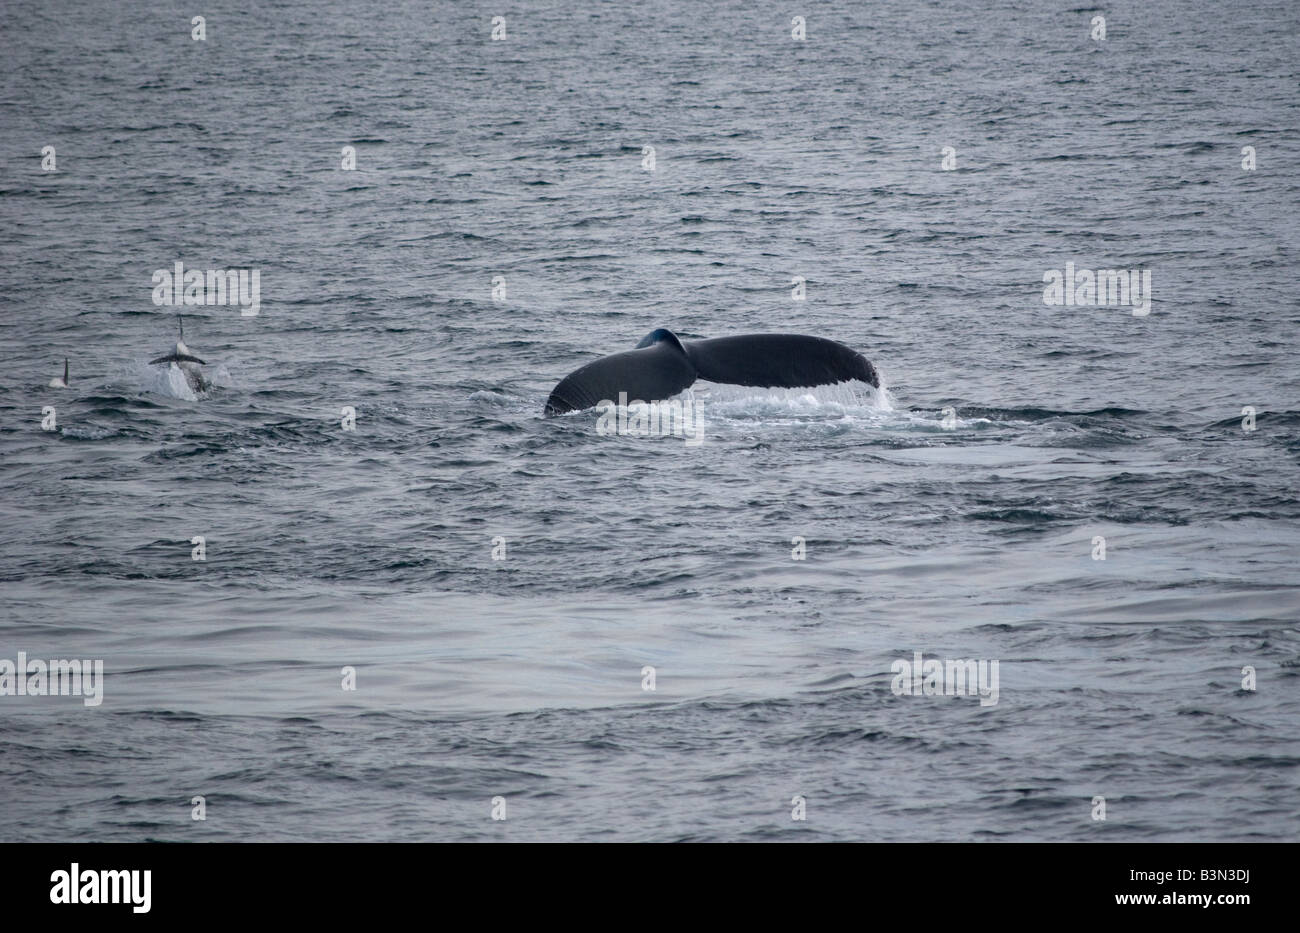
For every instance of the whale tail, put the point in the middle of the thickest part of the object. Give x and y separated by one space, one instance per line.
181 354
786 361
179 358
662 365
657 369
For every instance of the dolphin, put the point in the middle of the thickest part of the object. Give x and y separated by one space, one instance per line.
185 361
56 382
662 365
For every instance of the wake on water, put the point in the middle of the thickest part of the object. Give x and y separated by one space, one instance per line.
746 403
837 407
851 403
844 405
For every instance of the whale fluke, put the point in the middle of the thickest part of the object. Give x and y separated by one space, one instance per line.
662 365
655 370
178 358
185 361
784 360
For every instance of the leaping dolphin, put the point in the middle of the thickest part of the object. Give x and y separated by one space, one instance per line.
185 361
661 366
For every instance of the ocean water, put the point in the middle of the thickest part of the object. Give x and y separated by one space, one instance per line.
969 533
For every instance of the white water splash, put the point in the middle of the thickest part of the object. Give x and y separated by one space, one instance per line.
846 400
169 381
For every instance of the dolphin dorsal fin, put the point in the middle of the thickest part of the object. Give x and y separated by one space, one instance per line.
65 370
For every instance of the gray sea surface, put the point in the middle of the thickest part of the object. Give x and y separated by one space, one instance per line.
967 534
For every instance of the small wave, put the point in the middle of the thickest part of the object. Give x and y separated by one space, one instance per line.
86 432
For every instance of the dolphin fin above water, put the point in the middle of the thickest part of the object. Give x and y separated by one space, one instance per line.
662 365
